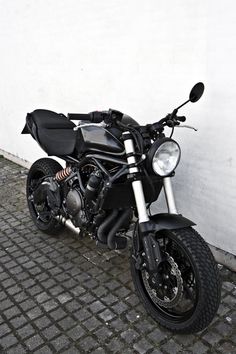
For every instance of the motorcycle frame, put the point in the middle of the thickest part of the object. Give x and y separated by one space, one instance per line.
169 220
148 226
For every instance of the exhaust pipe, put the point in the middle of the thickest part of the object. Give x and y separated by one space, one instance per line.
68 223
102 229
118 242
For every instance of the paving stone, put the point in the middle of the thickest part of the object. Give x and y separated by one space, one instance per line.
92 323
8 341
82 314
129 335
198 348
99 350
60 342
26 331
119 308
224 329
230 300
145 325
76 332
50 305
103 332
5 304
142 346
157 336
64 297
42 322
133 316
51 332
106 315
115 346
18 321
228 286
4 329
96 306
18 349
34 342
223 309
157 351
212 338
67 323
71 350
171 347
88 343
57 314
87 298
44 350
227 347
28 304
110 299
34 313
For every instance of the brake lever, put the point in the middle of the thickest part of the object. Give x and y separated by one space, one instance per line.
186 126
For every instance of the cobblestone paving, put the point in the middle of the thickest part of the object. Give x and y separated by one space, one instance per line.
63 295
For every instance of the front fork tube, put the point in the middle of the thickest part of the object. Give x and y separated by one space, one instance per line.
146 227
136 183
170 200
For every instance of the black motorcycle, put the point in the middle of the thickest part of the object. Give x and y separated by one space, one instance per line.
115 168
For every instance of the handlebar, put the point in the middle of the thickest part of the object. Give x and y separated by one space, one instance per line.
113 117
109 117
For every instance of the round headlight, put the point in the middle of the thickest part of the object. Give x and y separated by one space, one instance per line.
166 158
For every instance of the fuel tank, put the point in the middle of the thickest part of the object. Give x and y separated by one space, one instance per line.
99 139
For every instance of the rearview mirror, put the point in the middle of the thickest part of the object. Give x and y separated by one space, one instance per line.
196 92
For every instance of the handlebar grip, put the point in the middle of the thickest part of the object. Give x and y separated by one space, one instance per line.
97 117
181 118
79 116
93 117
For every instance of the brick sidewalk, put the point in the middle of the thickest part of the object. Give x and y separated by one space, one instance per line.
63 295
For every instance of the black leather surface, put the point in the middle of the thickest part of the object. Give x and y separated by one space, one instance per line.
54 132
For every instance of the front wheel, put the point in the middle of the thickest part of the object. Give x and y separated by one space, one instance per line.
184 294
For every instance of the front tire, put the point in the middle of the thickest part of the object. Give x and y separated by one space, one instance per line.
189 261
41 168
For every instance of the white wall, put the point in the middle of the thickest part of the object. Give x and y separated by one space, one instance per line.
140 57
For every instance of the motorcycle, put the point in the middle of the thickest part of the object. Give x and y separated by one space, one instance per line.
115 168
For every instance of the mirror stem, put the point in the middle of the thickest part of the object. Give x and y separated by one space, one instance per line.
182 105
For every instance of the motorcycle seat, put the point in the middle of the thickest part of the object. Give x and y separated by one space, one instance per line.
53 131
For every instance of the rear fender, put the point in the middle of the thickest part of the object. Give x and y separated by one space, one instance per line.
30 127
25 130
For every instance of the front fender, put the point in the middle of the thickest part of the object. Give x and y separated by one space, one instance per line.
167 221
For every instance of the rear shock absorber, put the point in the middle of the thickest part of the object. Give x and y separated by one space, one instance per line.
63 174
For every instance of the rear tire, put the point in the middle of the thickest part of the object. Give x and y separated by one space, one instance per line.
42 167
206 282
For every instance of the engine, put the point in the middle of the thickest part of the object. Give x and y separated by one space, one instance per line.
79 206
74 202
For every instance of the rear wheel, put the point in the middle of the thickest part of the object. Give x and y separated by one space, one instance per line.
41 213
184 294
